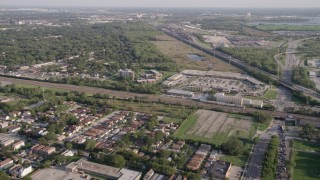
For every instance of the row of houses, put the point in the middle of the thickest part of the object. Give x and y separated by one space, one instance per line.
15 170
198 157
5 142
43 150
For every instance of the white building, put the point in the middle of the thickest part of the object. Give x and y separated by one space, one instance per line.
312 74
128 174
222 98
177 92
7 142
25 171
18 145
254 103
4 124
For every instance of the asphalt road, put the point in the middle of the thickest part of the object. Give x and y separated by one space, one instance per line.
148 98
254 167
284 95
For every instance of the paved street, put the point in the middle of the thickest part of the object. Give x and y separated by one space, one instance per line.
284 95
254 167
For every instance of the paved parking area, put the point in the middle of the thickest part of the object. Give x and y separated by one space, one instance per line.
281 171
235 173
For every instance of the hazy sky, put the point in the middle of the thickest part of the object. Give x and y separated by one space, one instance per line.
168 3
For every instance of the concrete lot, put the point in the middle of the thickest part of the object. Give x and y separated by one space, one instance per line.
235 173
203 84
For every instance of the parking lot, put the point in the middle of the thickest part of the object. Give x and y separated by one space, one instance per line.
281 171
201 83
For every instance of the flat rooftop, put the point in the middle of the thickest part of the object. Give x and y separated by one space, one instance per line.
54 174
104 170
128 174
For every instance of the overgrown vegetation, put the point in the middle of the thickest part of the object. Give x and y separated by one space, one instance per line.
310 48
257 57
300 75
233 146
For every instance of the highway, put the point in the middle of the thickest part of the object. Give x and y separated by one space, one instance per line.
284 95
149 98
242 65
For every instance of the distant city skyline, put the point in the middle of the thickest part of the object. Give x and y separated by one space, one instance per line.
169 3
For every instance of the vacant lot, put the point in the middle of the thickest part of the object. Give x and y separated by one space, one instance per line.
215 127
178 52
271 94
307 166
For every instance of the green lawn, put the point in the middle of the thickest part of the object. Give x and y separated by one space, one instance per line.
271 94
235 160
187 124
306 146
169 119
307 166
33 86
260 126
217 138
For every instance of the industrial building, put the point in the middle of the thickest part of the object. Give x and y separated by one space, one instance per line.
222 98
254 103
103 170
177 92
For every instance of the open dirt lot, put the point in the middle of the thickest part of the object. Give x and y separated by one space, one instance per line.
216 127
178 52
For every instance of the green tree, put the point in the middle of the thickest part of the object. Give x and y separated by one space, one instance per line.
4 176
47 164
233 146
89 144
68 145
117 161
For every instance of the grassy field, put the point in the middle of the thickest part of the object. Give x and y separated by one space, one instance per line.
235 160
215 127
178 52
189 122
306 146
32 86
272 27
172 112
271 94
174 120
307 166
